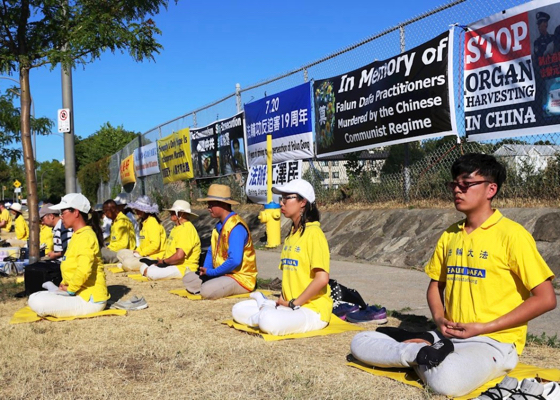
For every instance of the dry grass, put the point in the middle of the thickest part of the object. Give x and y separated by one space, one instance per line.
177 349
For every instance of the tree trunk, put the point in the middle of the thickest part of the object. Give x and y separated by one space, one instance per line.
29 164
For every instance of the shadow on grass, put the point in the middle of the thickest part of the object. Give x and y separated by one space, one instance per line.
9 288
411 322
117 292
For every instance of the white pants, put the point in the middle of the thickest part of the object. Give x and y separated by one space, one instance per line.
129 261
108 256
279 320
155 273
50 303
474 361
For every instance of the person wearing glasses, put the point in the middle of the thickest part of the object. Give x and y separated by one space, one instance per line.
182 248
305 303
488 281
60 234
83 289
230 266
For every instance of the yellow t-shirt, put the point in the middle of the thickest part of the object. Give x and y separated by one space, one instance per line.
46 237
82 267
300 255
122 234
152 238
22 229
488 273
184 237
5 215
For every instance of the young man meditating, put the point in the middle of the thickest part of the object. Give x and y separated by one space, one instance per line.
488 281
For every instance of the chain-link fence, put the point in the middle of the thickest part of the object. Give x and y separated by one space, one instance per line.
415 172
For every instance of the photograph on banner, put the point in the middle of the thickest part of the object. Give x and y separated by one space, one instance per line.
512 73
282 173
175 156
205 151
287 117
127 170
231 147
401 99
146 160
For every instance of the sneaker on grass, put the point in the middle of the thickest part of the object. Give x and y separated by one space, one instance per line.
503 390
135 303
370 314
343 309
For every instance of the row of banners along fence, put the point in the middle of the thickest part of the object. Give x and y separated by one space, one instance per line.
469 76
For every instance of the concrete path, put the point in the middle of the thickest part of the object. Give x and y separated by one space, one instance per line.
397 289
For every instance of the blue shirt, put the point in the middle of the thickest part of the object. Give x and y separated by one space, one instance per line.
237 241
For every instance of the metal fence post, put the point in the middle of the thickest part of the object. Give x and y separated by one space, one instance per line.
238 97
406 188
305 76
194 119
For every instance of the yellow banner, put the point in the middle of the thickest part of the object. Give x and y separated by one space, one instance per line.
127 170
175 156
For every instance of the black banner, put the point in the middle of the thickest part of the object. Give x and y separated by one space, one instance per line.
402 99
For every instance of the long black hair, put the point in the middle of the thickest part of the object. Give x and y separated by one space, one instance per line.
310 213
146 216
92 219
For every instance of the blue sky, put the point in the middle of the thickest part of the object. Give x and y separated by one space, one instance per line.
208 48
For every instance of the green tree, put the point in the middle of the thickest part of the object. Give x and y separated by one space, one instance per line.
395 160
10 124
35 33
51 180
105 142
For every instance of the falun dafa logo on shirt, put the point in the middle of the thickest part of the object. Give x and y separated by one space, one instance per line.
113 238
298 249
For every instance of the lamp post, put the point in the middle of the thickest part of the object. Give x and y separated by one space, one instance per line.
32 113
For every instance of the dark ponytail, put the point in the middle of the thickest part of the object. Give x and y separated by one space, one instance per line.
92 219
310 214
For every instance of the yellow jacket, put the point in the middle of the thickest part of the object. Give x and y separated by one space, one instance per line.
184 237
82 267
122 234
46 237
5 215
152 238
22 229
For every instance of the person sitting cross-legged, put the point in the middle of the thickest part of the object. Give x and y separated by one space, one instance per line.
122 233
488 281
305 303
230 266
182 247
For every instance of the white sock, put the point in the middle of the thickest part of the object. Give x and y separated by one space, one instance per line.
262 300
51 287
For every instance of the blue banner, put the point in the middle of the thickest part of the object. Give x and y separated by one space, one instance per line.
287 117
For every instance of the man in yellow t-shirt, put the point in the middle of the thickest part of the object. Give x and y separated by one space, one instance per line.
5 218
488 281
122 233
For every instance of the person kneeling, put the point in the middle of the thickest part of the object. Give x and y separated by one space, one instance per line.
83 289
305 303
182 247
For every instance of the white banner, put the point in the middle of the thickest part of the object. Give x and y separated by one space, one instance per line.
146 160
282 173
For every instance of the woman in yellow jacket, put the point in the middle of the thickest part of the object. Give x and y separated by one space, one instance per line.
152 235
21 227
83 289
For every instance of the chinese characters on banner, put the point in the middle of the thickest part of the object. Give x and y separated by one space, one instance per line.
146 160
402 99
287 117
512 73
127 170
175 156
219 148
282 173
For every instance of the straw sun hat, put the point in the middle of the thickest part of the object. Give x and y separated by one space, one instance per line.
219 193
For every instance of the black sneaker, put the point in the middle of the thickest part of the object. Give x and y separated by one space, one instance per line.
432 356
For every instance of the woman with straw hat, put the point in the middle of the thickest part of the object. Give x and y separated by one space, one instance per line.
305 303
182 247
83 289
152 235
230 266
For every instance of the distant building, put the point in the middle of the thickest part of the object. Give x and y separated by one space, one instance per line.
527 159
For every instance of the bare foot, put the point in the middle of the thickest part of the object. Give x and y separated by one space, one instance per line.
417 341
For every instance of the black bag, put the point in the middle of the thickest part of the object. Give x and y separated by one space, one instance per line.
40 272
342 293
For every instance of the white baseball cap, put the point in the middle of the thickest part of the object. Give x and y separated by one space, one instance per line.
16 207
297 186
73 200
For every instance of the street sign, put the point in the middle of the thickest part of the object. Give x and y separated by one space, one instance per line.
17 190
17 183
64 120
